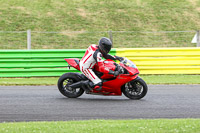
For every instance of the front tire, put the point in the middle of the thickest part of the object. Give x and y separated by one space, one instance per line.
63 85
135 89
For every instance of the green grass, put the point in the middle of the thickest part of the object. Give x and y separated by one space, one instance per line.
66 16
105 126
171 79
29 81
150 79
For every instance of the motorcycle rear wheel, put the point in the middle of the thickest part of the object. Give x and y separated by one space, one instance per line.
63 85
135 89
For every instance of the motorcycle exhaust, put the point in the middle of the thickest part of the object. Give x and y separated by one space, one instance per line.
82 84
76 85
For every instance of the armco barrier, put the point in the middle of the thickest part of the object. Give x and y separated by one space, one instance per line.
29 63
164 60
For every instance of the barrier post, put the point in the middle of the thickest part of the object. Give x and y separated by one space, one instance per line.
110 36
28 39
198 39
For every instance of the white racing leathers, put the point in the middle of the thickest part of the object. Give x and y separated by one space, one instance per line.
91 57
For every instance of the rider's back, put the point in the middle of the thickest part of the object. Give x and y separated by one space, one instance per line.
88 60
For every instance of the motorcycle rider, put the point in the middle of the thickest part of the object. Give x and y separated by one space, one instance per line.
93 55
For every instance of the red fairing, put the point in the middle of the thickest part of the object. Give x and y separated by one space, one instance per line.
100 67
114 86
104 67
132 71
109 64
72 62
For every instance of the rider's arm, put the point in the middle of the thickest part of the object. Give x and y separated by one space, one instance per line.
108 56
104 69
100 63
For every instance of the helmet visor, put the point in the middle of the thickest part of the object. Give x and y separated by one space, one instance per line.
105 48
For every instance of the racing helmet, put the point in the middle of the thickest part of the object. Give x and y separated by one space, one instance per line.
105 45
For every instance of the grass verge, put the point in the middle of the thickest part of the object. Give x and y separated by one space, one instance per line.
150 79
106 126
171 79
67 16
29 81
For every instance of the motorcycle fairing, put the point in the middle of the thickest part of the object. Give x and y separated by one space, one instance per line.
110 87
113 87
131 70
74 62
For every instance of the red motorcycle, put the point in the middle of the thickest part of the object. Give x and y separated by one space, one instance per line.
128 82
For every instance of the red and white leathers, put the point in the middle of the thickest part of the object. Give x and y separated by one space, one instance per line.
91 57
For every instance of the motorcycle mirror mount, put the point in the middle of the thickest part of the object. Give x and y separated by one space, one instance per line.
124 61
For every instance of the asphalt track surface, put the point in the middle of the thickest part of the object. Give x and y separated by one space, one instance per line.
45 103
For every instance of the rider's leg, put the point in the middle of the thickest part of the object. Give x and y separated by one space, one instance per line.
96 82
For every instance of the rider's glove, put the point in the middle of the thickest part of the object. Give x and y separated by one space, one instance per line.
115 73
119 58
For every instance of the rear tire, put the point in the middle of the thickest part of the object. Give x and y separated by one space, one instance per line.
63 85
135 89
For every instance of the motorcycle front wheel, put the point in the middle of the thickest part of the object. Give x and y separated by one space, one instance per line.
135 89
63 85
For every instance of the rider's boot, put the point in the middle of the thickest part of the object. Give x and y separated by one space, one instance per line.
98 86
90 85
